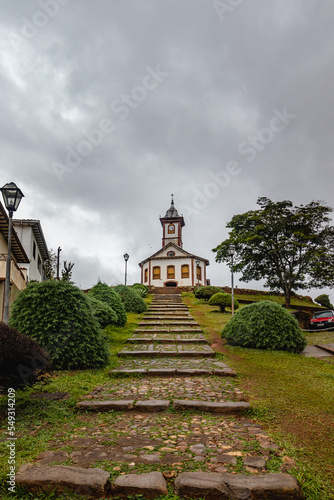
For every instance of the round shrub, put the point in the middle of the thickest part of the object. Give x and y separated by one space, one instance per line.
141 289
22 360
265 325
206 292
104 314
105 293
223 300
58 316
324 301
131 300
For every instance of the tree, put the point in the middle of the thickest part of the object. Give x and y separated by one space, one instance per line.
66 273
292 247
50 266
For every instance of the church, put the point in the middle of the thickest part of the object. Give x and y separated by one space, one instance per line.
172 266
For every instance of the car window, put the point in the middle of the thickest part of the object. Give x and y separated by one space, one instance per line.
323 314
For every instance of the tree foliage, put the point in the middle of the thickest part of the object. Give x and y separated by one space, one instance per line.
265 325
223 300
104 314
324 301
131 299
206 292
107 294
291 247
59 317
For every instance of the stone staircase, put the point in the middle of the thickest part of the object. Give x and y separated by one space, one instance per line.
173 410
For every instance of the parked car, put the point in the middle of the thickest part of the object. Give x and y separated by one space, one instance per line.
322 320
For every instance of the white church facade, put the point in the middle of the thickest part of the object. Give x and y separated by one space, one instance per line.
172 266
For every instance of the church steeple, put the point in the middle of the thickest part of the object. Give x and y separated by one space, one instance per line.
172 225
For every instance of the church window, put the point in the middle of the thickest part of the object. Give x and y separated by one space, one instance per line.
146 275
170 272
185 271
170 253
199 273
156 272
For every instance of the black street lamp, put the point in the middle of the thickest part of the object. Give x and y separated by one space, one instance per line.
12 196
126 258
231 252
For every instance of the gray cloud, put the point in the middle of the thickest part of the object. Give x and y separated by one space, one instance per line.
224 79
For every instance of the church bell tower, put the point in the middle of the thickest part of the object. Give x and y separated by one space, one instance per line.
172 225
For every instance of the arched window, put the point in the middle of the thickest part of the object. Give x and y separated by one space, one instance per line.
185 271
199 273
156 272
170 272
146 275
170 253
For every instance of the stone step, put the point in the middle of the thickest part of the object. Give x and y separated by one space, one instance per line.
142 340
95 483
163 404
168 317
169 354
169 330
168 323
170 372
212 407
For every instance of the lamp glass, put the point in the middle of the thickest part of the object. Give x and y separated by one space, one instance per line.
231 249
126 256
12 196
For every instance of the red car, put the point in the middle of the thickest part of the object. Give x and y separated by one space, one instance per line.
322 320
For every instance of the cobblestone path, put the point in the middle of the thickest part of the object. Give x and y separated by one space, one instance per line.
171 415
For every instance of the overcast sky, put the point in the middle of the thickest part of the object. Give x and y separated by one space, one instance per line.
108 107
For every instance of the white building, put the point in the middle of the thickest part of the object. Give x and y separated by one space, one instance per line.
172 266
19 259
32 238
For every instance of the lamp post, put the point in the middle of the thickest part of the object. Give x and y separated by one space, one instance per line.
197 271
231 252
12 196
126 258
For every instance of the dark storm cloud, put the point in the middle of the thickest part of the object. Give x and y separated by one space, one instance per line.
83 72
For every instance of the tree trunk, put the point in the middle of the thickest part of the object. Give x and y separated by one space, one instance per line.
287 295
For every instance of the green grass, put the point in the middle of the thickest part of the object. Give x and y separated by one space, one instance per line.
295 301
291 394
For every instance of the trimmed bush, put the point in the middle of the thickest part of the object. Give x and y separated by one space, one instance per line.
59 317
141 289
206 292
265 325
107 294
223 300
324 301
22 360
131 300
104 314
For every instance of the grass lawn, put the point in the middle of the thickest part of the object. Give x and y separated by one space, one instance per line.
295 301
292 394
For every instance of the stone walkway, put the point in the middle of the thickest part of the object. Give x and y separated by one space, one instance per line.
173 418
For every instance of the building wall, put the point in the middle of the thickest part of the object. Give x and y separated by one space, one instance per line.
177 263
29 243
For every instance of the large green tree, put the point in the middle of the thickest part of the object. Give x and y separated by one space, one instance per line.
291 247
